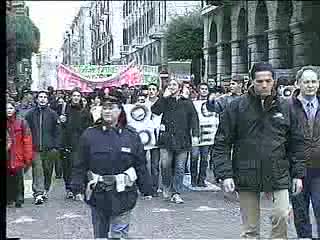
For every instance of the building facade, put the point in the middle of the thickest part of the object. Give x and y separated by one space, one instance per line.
77 39
238 34
106 31
144 26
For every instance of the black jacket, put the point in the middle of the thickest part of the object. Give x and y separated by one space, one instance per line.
45 128
178 119
111 152
78 120
267 144
220 104
311 135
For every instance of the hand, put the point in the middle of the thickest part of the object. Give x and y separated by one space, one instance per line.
63 118
167 93
228 185
149 197
195 140
297 186
212 96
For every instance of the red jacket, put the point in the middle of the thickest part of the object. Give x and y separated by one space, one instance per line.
20 153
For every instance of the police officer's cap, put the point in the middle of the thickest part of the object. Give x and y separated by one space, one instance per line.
115 96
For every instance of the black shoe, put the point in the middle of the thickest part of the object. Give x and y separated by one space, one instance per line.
19 204
156 194
69 195
193 182
202 184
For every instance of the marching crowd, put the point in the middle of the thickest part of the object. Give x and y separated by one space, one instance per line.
267 142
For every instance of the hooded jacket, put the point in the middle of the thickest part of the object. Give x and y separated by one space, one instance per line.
267 144
20 152
311 134
44 125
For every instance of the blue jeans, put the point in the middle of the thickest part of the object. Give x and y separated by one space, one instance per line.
110 227
203 151
172 170
301 203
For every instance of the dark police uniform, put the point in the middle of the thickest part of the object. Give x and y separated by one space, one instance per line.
108 152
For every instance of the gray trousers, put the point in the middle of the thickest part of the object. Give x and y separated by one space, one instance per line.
42 169
110 227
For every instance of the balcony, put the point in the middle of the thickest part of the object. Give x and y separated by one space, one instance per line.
124 49
156 32
138 42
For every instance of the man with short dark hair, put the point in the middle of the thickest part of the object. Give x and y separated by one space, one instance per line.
27 103
306 104
44 126
268 152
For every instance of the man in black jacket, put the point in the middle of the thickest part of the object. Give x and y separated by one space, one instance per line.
113 153
306 106
73 122
44 126
268 147
178 120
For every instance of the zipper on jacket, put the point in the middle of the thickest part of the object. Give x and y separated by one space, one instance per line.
40 128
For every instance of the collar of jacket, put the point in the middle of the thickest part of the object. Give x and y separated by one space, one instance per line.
42 107
12 118
75 106
296 93
269 101
100 124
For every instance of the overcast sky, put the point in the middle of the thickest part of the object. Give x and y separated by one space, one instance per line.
52 18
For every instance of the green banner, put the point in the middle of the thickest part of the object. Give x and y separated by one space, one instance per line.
150 73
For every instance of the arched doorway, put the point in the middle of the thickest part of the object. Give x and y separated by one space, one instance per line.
226 45
261 26
283 19
212 51
242 30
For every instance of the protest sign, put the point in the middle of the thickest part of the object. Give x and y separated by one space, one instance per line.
147 124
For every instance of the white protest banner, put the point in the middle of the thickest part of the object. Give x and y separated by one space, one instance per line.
146 124
208 123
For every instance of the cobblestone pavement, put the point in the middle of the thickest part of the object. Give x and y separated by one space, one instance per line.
206 215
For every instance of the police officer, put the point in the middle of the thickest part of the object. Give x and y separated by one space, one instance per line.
110 162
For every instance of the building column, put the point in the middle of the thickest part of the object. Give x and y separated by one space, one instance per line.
256 54
278 49
302 47
235 57
206 64
164 55
220 61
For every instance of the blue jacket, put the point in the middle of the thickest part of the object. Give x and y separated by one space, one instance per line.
111 152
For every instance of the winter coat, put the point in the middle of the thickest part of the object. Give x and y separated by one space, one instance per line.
267 144
78 120
45 128
178 120
20 153
219 105
311 135
110 152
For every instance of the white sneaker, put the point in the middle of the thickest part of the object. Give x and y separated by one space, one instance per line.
38 200
166 195
45 196
177 199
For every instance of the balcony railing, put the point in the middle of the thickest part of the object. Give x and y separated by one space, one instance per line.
156 32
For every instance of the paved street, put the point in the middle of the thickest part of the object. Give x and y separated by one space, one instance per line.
204 215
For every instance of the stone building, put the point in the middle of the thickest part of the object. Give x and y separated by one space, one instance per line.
144 26
106 31
77 39
240 33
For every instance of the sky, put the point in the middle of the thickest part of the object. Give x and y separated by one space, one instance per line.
52 18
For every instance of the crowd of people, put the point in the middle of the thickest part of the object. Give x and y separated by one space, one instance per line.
267 141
